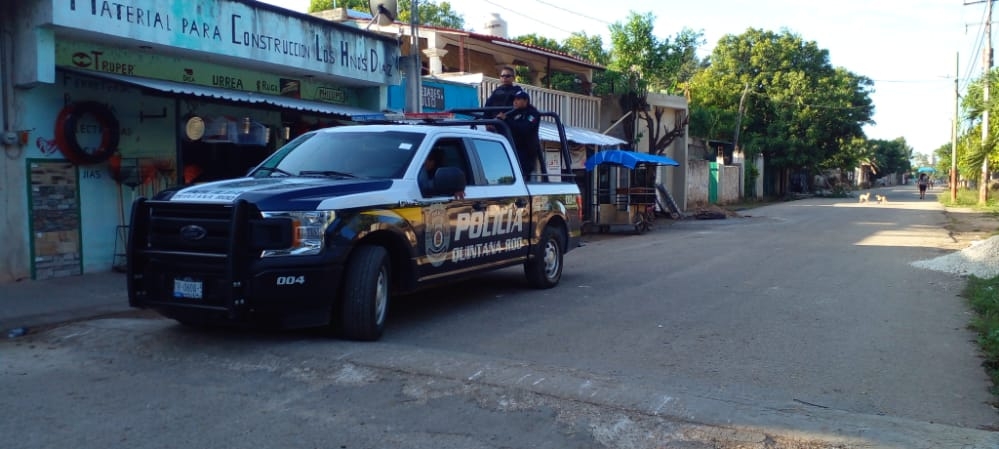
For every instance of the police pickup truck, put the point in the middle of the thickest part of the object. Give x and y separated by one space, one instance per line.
329 228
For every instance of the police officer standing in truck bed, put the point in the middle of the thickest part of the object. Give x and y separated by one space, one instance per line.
524 122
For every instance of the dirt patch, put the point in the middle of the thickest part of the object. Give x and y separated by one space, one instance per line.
710 211
966 225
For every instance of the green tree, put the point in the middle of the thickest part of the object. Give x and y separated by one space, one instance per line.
540 41
854 152
578 45
796 108
972 153
643 63
322 5
585 47
431 13
892 156
943 154
711 122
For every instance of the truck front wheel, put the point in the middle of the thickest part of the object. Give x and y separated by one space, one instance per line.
365 296
544 269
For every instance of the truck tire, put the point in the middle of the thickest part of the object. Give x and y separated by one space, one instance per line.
365 296
544 270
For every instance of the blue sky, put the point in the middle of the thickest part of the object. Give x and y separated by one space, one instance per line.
912 49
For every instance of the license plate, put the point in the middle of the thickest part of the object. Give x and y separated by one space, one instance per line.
183 288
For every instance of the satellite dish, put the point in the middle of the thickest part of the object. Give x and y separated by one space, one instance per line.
384 11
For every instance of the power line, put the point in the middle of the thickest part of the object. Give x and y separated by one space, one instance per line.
975 55
914 81
533 19
573 12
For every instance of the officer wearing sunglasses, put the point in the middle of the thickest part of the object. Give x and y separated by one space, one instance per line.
503 95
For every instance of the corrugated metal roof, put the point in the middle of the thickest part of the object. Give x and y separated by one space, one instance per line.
230 95
549 132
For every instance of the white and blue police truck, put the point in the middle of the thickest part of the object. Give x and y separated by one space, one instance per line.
335 224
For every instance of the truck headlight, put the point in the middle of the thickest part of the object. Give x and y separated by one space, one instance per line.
308 229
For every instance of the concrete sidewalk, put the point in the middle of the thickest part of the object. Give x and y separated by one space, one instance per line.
33 304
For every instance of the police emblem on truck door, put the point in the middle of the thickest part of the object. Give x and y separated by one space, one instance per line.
436 234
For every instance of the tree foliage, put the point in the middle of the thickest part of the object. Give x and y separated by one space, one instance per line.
540 41
590 48
891 156
577 45
798 110
650 63
431 13
971 152
641 63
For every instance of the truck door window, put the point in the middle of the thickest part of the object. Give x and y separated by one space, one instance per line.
452 154
495 161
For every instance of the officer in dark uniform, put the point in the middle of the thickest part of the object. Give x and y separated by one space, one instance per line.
503 95
524 122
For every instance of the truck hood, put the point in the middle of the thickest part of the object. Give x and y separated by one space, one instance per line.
278 193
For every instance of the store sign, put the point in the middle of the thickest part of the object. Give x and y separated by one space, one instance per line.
433 97
331 95
239 30
99 58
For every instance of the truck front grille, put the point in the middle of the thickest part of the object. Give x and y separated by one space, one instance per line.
200 228
206 244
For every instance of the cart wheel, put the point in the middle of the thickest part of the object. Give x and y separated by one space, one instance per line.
643 220
640 223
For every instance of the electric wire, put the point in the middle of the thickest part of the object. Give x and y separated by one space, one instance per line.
528 17
576 13
975 56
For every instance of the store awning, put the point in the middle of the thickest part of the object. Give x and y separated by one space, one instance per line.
234 95
549 132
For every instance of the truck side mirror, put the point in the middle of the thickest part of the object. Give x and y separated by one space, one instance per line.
448 180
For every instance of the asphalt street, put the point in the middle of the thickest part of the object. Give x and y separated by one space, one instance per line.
801 324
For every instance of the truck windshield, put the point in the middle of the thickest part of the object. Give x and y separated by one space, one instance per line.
349 154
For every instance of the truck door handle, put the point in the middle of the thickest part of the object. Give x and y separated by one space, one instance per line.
479 205
520 202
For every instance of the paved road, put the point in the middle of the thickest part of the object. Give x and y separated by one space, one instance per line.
802 325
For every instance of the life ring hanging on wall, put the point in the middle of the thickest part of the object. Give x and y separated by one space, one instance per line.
67 124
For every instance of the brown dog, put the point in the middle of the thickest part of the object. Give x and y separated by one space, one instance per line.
881 199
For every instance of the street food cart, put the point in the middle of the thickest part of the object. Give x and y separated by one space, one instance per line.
622 196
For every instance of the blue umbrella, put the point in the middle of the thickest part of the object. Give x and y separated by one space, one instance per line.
627 159
926 170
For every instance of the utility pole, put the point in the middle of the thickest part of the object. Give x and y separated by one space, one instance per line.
415 77
953 132
738 119
983 188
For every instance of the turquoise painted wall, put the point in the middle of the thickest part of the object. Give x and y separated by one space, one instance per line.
105 203
454 96
100 200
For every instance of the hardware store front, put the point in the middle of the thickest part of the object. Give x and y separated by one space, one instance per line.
115 102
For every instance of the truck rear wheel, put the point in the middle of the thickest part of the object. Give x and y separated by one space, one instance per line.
544 269
365 296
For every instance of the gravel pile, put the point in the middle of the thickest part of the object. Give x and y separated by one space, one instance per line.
980 259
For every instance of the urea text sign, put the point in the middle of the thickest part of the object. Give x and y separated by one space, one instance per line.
239 30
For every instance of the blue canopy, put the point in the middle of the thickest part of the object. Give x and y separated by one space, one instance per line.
922 169
627 159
